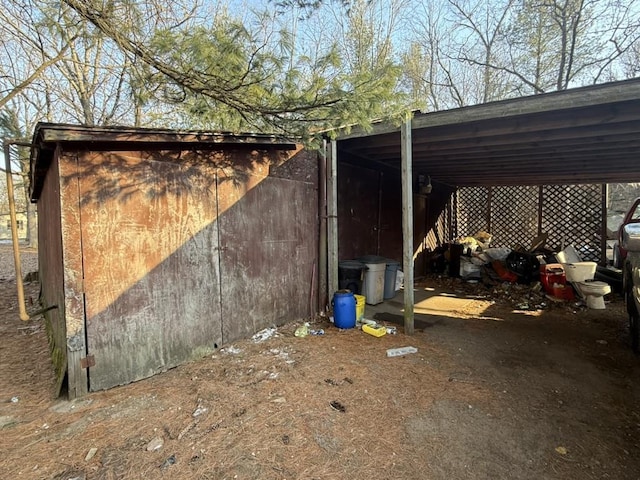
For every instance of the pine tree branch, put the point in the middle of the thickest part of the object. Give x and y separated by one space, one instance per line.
195 83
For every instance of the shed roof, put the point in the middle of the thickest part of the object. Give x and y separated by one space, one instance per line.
47 137
583 135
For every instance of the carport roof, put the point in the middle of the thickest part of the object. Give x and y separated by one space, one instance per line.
583 135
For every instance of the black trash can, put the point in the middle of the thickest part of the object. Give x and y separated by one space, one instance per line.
350 275
390 274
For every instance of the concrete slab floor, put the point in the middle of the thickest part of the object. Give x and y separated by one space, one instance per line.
429 303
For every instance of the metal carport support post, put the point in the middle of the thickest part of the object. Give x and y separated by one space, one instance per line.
407 223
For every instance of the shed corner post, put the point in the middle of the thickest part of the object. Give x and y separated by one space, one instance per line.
73 284
322 217
407 224
332 219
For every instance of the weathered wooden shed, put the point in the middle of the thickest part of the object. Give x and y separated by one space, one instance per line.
157 246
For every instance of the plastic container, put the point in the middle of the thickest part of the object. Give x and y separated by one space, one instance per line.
375 330
390 279
398 352
344 309
373 287
550 274
503 273
360 301
350 275
564 292
373 284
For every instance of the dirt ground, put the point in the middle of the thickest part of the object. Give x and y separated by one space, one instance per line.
508 394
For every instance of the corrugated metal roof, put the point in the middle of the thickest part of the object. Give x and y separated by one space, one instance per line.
583 135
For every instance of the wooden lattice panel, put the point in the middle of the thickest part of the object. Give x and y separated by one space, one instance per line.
572 215
514 215
441 231
472 211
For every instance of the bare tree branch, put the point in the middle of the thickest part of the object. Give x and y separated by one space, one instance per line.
29 80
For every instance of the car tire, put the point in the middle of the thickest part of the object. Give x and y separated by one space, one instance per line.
627 290
617 257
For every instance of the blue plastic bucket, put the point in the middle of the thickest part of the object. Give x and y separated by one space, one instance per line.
344 309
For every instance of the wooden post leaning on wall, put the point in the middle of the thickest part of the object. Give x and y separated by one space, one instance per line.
407 224
24 316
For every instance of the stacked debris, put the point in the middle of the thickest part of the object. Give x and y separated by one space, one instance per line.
536 270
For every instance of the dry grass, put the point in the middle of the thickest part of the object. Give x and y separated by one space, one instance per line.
265 412
481 401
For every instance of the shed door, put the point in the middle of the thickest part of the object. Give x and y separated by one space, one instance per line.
151 273
266 256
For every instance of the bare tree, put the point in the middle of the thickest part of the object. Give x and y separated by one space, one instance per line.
26 53
434 76
481 27
556 44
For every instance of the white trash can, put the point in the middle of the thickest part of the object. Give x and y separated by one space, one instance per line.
373 284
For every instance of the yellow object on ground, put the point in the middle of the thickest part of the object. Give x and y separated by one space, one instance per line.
360 301
376 331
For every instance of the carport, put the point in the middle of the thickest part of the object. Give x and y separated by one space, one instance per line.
584 136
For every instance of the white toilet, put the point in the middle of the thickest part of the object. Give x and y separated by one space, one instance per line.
581 274
593 293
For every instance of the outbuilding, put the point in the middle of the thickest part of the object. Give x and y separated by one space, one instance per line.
158 247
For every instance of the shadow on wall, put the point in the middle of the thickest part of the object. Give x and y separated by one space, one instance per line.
183 253
122 174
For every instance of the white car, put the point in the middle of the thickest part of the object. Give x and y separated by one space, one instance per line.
631 280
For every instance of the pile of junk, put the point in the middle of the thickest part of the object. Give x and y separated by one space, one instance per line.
562 275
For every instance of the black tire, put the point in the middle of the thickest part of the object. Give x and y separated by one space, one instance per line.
617 258
627 290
